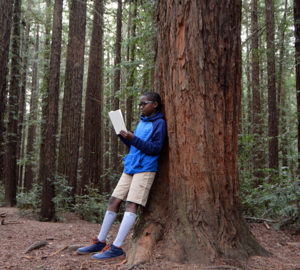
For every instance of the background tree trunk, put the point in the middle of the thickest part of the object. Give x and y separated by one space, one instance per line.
30 151
256 105
11 176
297 65
48 146
71 115
5 22
131 78
93 127
272 102
22 106
195 204
115 161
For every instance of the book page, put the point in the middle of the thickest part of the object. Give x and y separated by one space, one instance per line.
117 121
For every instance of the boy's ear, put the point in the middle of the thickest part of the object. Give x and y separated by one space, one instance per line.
155 103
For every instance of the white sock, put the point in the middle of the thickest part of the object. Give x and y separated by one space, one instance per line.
108 220
127 223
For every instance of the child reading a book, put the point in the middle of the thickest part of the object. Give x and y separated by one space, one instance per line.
140 167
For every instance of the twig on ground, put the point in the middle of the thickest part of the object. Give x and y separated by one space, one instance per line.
3 214
266 225
36 245
221 267
3 222
260 220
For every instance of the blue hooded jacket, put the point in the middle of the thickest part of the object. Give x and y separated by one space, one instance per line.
146 145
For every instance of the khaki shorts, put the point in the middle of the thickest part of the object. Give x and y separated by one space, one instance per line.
136 187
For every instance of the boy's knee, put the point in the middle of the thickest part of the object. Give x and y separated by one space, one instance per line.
114 204
131 207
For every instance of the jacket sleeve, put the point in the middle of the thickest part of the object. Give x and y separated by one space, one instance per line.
155 144
124 140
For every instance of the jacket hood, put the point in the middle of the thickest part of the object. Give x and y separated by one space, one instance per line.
152 118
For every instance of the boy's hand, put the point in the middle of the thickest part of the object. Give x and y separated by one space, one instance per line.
126 135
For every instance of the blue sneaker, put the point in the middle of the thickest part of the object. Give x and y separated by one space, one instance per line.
97 246
112 253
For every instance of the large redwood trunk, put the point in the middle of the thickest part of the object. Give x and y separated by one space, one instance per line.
93 127
6 8
195 204
48 146
71 114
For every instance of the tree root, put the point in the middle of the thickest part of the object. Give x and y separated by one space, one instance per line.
141 249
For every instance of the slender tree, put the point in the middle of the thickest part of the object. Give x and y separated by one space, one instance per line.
71 115
116 87
5 22
195 206
131 59
256 104
282 92
297 65
22 102
48 147
272 97
44 89
10 168
30 151
93 123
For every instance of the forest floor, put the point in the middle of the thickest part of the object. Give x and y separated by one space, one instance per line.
17 233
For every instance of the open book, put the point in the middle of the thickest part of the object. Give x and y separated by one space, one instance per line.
117 120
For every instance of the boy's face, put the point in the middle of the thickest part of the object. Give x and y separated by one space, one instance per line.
147 107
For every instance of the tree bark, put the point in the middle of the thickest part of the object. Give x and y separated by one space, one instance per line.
131 58
297 65
22 102
195 206
48 147
11 176
93 132
282 117
257 153
71 115
45 83
272 97
6 8
30 150
116 87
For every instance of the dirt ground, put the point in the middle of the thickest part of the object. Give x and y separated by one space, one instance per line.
18 233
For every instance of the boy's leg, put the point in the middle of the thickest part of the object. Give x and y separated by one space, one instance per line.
110 215
128 220
126 224
109 218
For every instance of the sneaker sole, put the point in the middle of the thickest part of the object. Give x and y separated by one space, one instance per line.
111 259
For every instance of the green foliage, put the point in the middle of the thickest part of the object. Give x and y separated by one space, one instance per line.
30 201
1 194
92 206
62 200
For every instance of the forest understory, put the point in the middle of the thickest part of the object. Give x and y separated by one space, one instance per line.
18 233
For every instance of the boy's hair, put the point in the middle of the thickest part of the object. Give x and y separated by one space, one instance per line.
153 96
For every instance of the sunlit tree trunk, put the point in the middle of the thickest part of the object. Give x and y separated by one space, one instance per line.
194 205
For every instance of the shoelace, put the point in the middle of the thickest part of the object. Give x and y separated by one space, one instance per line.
95 240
